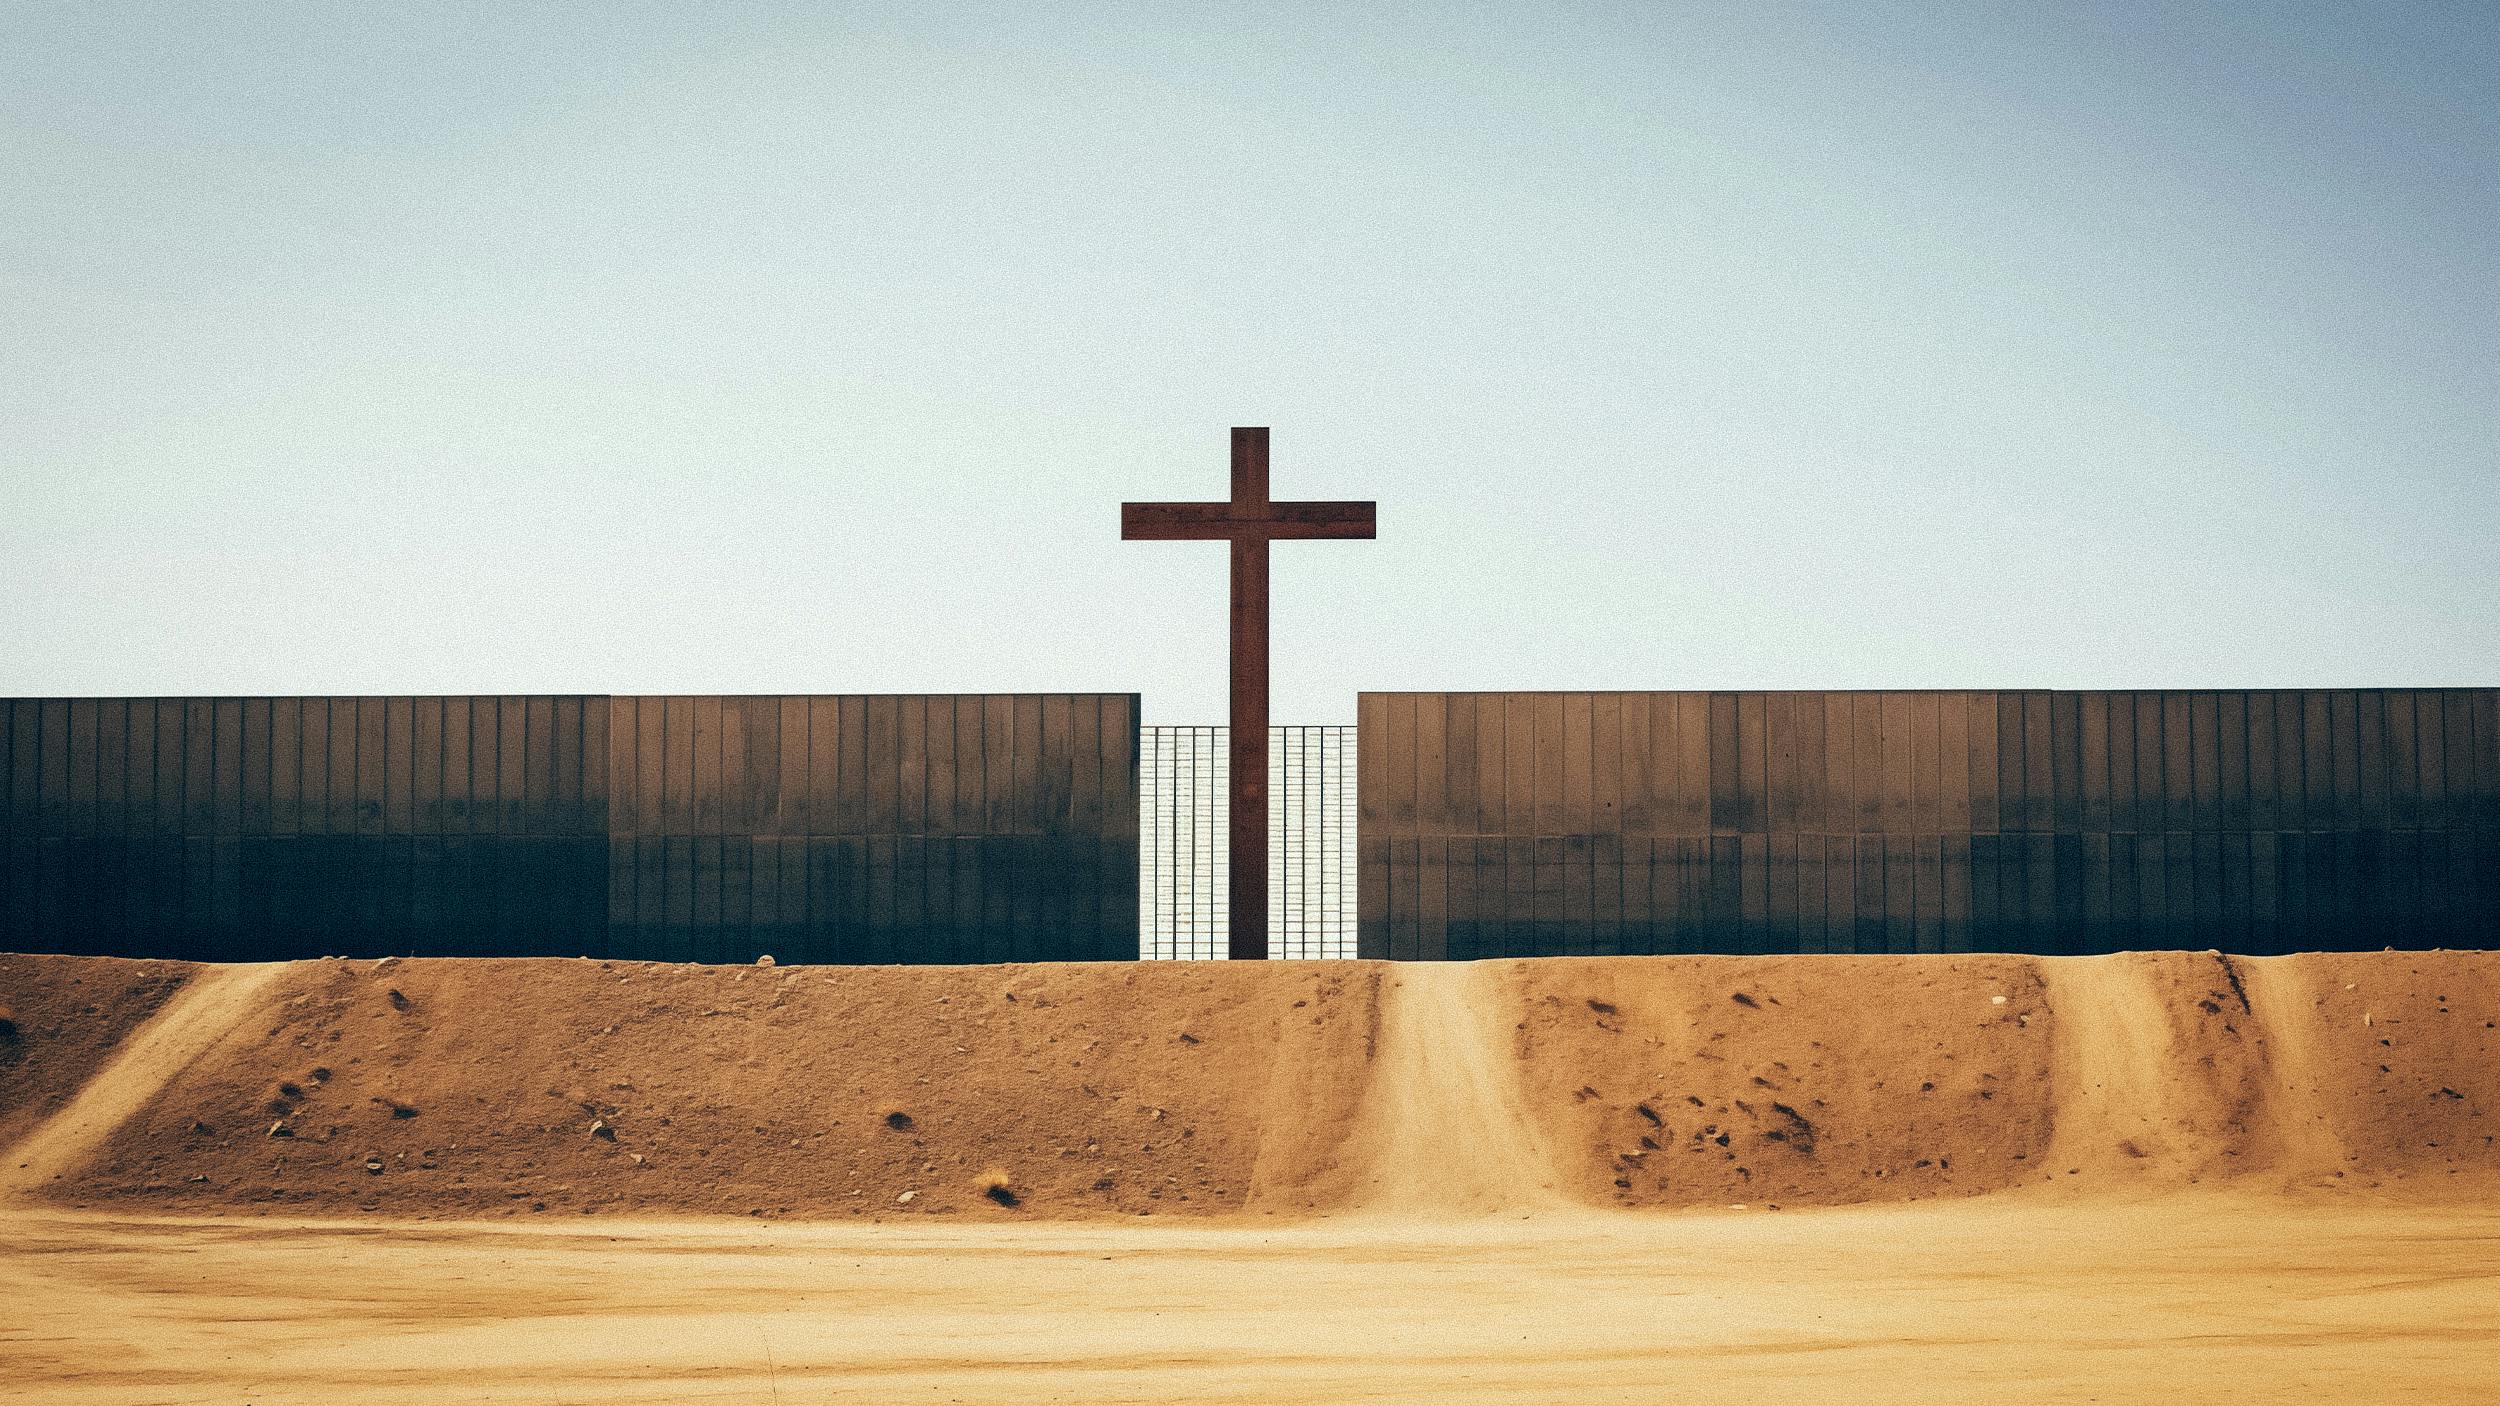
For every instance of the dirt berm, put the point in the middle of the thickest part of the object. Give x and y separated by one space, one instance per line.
59 1017
469 1087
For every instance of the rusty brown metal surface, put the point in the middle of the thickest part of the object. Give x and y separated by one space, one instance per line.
1249 520
823 828
2023 820
1171 522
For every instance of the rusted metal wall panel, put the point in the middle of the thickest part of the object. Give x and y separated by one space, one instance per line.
817 828
1928 821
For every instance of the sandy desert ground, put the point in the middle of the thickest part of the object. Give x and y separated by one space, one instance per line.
2124 1178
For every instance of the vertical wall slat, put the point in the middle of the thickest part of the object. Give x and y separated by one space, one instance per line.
709 787
2039 777
2430 739
564 768
425 798
967 810
199 763
2066 784
1986 814
368 757
1926 729
79 769
2092 763
628 812
999 817
2344 719
824 812
1840 784
1897 737
675 782
139 773
1491 724
1429 778
1868 764
1549 750
793 789
398 766
2317 762
1753 773
1783 796
598 772
1463 758
25 762
2151 764
2231 759
1726 815
2205 760
2123 773
518 770
1810 765
2013 743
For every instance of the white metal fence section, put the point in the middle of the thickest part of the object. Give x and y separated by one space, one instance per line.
1184 774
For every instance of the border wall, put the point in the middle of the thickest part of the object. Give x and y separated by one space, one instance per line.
885 828
1534 824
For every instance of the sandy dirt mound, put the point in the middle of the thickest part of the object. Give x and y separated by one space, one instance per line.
189 1024
1695 1081
480 1087
498 1087
1682 1081
60 1017
2387 1064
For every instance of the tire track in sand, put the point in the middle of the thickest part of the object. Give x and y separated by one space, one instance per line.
1447 1131
180 1032
2121 1092
2179 1095
2284 1000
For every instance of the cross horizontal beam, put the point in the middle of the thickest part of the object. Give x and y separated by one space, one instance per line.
1300 521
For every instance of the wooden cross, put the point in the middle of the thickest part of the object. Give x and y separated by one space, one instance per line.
1250 521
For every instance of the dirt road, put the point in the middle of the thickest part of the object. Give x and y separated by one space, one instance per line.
1442 1132
2186 1297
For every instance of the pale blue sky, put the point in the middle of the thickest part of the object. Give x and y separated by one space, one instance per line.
738 348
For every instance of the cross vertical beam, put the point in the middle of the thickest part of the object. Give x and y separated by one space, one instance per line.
1248 521
1246 895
